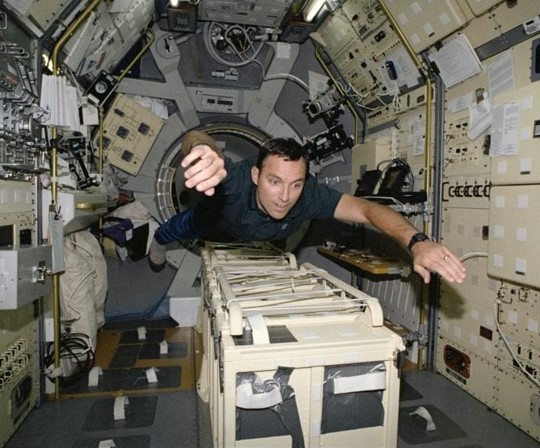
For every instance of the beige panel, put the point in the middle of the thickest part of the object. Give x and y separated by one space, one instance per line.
519 323
415 99
513 234
519 317
523 167
425 22
506 392
479 7
18 352
337 33
508 18
471 325
363 15
483 375
481 30
515 395
44 12
461 154
463 232
355 65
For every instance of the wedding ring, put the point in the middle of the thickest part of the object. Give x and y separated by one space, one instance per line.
445 258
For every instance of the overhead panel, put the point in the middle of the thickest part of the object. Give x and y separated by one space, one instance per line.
425 22
479 7
365 16
482 30
108 34
336 33
36 13
509 15
251 12
368 53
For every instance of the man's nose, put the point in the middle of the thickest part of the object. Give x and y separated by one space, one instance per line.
284 194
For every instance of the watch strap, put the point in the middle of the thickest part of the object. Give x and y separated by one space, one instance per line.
416 238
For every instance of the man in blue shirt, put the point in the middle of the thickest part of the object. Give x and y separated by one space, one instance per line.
268 198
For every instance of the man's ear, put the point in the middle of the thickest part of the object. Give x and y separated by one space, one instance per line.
255 175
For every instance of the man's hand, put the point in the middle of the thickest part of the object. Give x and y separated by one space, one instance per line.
429 256
204 169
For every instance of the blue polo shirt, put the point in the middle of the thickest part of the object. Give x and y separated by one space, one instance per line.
232 213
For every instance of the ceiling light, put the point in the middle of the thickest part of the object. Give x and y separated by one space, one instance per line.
312 8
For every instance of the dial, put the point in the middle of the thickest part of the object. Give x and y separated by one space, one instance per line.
101 87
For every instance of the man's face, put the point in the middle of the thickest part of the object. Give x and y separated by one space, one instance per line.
279 184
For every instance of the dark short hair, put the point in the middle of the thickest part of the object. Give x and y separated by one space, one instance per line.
288 148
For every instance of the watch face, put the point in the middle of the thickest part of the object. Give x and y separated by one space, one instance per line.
100 87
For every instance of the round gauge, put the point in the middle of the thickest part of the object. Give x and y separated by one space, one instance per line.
101 87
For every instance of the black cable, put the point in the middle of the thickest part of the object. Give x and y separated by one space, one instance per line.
73 346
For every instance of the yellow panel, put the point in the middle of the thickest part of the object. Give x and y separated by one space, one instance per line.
130 131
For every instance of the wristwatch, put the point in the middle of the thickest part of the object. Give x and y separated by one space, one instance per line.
416 238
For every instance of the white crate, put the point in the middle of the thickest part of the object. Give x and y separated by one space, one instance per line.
309 325
336 343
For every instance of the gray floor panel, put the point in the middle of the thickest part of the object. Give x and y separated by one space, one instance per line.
181 420
142 441
412 428
139 412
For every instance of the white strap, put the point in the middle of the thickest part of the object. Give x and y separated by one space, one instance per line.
151 375
141 331
359 383
235 319
93 376
246 399
258 329
421 411
120 407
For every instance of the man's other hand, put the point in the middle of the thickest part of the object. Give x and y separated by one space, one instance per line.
429 256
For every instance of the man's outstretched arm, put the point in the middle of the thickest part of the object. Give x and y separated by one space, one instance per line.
428 256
